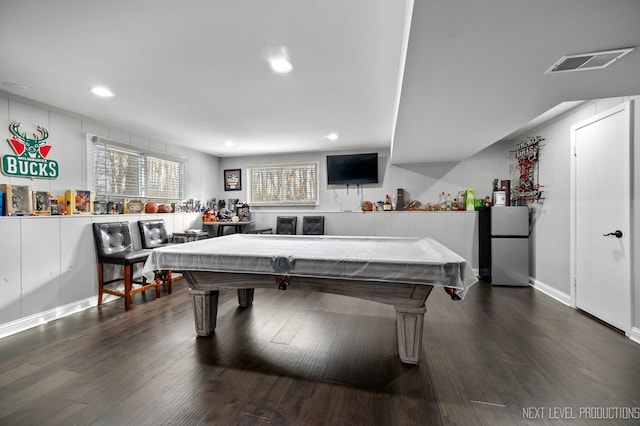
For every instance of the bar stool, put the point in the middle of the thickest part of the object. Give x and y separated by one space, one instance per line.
114 247
153 234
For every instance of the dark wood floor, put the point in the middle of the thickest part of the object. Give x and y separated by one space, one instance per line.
502 356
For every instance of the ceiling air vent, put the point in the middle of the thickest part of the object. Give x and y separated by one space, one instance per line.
588 61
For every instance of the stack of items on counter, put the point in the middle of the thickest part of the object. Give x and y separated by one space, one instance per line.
238 211
21 200
464 200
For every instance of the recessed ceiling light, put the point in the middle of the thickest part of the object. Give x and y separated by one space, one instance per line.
278 59
229 143
332 136
280 65
102 91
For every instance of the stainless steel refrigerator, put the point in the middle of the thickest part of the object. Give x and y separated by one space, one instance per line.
504 245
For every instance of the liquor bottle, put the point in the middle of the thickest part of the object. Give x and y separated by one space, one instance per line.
461 205
448 202
443 201
387 204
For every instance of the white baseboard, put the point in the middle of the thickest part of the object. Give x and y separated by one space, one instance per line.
551 292
42 318
634 335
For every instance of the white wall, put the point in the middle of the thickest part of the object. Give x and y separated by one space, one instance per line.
67 138
550 239
423 182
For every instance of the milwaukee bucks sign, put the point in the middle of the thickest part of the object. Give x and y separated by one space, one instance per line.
31 155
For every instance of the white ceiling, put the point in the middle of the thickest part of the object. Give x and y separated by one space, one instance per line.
195 72
475 69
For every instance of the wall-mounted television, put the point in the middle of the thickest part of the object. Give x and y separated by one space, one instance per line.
352 169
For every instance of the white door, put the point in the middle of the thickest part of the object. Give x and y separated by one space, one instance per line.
602 265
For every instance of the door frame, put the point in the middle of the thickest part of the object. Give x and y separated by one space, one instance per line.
627 109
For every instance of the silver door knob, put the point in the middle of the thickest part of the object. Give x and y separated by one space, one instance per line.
617 233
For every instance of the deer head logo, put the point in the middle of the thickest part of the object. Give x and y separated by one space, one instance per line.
25 147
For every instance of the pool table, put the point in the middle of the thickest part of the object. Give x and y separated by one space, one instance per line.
395 271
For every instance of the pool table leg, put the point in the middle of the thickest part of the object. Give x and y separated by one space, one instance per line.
205 310
245 297
410 321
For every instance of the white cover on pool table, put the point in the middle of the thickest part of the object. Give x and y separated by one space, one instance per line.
389 259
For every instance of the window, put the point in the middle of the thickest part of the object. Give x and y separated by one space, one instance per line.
121 170
283 184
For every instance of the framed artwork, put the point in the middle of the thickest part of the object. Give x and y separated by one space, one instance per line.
41 203
78 202
232 180
133 205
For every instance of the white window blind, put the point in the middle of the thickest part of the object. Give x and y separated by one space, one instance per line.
121 171
283 184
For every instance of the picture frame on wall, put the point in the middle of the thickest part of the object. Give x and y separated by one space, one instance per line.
232 180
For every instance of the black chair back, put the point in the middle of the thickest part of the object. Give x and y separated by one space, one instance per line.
114 246
112 238
313 225
286 225
153 233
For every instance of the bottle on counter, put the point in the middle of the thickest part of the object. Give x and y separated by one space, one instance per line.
448 202
443 201
387 204
470 200
461 194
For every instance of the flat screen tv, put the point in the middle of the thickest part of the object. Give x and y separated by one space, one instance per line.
352 169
